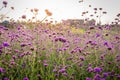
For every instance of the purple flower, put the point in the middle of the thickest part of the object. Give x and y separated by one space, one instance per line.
73 51
6 79
45 64
22 44
14 57
97 77
117 37
80 64
5 3
25 78
6 44
97 69
91 27
18 27
118 76
89 69
94 43
12 63
64 49
1 70
109 48
102 57
0 51
21 55
56 75
54 70
102 79
62 70
88 79
17 51
70 58
98 35
60 39
82 58
65 74
106 43
1 47
56 39
105 75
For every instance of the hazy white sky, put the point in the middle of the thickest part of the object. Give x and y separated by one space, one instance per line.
62 9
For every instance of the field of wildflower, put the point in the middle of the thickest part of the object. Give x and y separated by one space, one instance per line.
45 51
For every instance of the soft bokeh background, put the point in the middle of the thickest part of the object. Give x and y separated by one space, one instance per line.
62 9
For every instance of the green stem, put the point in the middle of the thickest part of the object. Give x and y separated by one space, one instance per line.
43 19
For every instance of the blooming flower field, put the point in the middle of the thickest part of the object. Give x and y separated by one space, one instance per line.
54 53
46 51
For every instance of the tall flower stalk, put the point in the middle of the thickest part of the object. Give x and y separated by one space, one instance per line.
48 13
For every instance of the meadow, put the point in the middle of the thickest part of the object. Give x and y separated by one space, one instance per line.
59 53
46 51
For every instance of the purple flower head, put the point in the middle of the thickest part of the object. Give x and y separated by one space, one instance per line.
45 61
17 51
98 35
43 48
88 78
45 64
18 27
93 43
5 3
95 9
97 77
105 43
54 70
56 39
46 31
97 69
6 44
102 57
82 58
70 58
1 70
1 47
80 64
6 78
56 75
105 74
89 69
65 74
89 64
14 57
0 51
12 63
23 65
21 55
109 48
118 77
62 70
73 51
102 79
118 58
60 39
53 33
38 75
91 27
26 78
117 37
80 50
23 45
64 49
